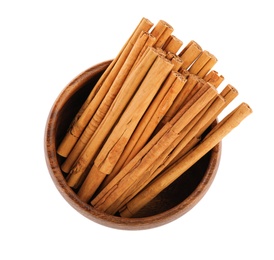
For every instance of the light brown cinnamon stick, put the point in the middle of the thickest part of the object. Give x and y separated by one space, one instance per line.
131 165
214 78
173 44
100 113
96 177
228 93
141 126
176 61
208 66
164 32
114 146
158 115
200 62
190 53
185 136
159 29
171 174
197 128
150 120
127 91
194 90
87 110
149 43
134 112
110 203
194 129
192 80
144 25
138 158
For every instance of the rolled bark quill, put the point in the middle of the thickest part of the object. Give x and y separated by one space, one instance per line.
134 174
87 109
190 53
77 172
150 120
188 137
201 61
214 78
112 149
166 178
192 80
208 66
173 44
228 94
185 136
162 32
106 102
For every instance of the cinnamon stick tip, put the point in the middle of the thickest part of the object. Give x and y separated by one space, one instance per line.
213 57
176 39
232 88
248 108
180 76
196 44
144 19
166 24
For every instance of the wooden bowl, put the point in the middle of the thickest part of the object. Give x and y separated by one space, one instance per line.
169 205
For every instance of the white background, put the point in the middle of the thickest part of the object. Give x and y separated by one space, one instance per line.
45 44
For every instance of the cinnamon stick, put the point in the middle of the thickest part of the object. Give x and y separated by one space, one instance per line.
149 121
228 94
194 90
173 44
141 126
176 61
197 128
127 91
106 102
159 29
114 146
93 180
131 165
86 111
110 203
149 43
171 174
144 25
134 112
192 80
214 78
208 66
164 32
200 62
158 115
184 138
138 158
190 53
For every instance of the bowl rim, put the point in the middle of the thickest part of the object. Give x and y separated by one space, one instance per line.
88 210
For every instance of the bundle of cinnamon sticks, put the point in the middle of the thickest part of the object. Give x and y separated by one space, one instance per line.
142 124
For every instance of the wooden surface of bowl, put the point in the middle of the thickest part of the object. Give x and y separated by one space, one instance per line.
169 205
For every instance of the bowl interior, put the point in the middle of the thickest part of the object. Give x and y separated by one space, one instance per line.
170 204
